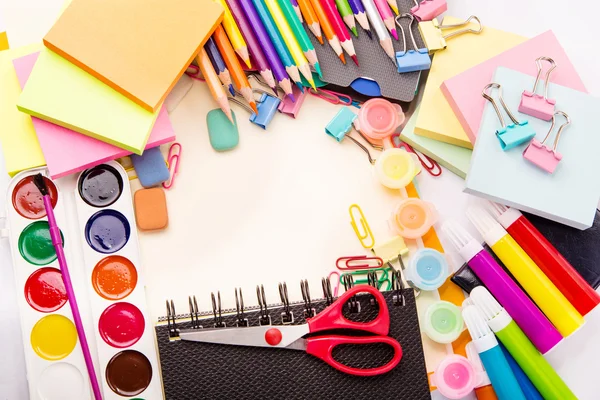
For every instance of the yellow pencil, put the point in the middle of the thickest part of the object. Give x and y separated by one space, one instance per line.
234 34
214 85
290 40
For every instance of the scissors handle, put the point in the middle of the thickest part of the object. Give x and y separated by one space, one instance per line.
333 318
322 347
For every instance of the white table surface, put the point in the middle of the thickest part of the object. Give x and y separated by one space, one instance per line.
275 209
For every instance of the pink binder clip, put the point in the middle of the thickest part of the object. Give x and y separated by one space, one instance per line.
428 9
287 106
535 105
541 155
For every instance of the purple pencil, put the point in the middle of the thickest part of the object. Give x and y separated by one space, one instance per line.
253 45
360 15
264 39
297 9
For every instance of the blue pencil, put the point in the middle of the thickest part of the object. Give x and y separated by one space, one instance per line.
219 64
277 40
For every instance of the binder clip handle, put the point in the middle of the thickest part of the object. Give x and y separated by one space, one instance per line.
560 128
504 106
538 62
412 37
465 23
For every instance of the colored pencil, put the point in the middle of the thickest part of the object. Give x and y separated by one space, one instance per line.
296 8
218 64
384 37
290 41
253 45
213 83
57 242
360 15
277 41
393 6
269 49
234 34
387 16
237 73
339 28
311 19
347 15
300 34
332 38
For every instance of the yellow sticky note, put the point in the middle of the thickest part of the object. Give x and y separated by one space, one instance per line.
3 41
19 142
59 92
436 119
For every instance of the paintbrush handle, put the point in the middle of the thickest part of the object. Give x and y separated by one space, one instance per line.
64 269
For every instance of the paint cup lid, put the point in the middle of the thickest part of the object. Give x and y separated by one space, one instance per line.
428 269
378 118
396 168
454 377
443 322
413 218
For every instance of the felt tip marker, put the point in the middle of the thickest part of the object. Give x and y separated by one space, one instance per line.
503 380
566 279
535 366
537 285
533 322
484 389
530 392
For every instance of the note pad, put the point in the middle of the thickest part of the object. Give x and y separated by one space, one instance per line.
84 152
568 196
19 142
436 119
463 91
59 92
138 47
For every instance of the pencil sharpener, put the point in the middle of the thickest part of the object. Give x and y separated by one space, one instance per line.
542 156
537 106
515 135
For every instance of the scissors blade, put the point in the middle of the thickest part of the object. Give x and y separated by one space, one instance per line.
278 336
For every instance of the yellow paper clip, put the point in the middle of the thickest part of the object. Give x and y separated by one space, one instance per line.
432 32
365 227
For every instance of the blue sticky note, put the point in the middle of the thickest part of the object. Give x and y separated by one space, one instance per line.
150 167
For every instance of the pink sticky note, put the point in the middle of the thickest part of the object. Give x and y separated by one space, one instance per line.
463 91
67 151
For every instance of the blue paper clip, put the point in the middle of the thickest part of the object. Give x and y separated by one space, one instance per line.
341 124
414 59
267 107
514 134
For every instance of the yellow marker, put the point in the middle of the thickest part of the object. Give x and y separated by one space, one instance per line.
290 41
542 291
234 34
53 337
365 227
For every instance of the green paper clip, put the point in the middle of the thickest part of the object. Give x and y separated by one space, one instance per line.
222 133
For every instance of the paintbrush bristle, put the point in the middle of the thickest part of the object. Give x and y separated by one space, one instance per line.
39 182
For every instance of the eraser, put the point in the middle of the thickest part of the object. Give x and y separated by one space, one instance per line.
151 209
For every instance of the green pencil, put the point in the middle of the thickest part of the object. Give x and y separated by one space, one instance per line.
347 15
300 34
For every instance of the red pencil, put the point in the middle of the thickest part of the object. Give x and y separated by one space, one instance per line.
340 29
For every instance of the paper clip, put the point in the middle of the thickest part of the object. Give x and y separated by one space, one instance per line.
194 73
334 97
336 288
431 32
540 154
267 107
514 134
415 59
532 103
173 164
365 227
364 262
430 165
427 10
382 275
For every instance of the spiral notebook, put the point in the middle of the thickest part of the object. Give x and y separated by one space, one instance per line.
194 370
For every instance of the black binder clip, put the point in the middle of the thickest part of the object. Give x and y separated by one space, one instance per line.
287 317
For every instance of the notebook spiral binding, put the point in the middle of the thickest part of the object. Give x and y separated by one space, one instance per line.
264 317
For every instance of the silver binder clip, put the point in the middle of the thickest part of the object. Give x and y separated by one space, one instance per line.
434 38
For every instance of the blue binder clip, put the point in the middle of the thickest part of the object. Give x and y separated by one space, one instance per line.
267 107
341 124
514 134
414 59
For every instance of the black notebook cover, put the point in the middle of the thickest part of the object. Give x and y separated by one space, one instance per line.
193 370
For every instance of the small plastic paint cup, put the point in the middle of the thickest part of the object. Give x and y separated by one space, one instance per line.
413 218
443 322
396 168
427 269
454 377
378 119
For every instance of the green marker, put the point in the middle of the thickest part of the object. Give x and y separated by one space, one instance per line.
300 34
347 15
542 375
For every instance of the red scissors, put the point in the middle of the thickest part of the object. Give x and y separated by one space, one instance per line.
291 336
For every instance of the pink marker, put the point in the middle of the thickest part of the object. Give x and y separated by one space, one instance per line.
387 16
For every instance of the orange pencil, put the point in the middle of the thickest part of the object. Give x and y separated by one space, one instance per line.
216 89
311 19
234 67
334 42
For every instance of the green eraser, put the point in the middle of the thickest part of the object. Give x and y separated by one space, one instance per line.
222 133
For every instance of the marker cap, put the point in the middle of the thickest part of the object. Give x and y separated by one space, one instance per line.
455 377
428 269
396 168
496 317
443 322
483 338
487 226
466 245
413 218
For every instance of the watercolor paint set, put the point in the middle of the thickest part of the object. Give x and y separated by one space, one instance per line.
95 213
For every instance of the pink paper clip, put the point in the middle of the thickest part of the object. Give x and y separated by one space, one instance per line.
358 262
541 155
430 165
173 163
287 106
194 72
535 105
336 288
427 10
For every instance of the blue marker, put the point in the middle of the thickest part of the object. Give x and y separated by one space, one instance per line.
501 375
530 392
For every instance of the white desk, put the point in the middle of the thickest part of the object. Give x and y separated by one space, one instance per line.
275 209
